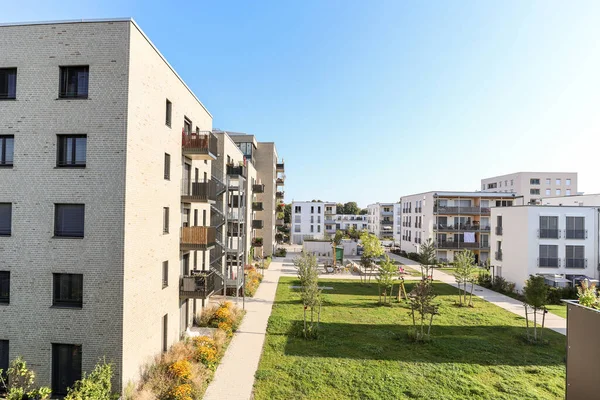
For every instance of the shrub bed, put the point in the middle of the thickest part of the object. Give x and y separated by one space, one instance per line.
253 279
183 372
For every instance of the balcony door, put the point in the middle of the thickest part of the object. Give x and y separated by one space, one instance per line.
184 313
187 177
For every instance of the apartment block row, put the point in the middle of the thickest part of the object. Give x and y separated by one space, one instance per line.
121 209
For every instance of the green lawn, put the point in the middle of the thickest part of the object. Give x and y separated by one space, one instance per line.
558 309
364 352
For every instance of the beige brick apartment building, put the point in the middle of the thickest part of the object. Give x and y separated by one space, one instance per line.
114 197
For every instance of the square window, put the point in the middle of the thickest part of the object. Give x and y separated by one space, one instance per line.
568 192
68 290
558 192
165 219
7 146
8 83
72 150
69 220
548 181
548 192
534 181
167 166
558 181
66 367
74 82
168 112
568 182
4 288
5 219
165 274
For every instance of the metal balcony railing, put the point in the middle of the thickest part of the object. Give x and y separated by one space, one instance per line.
257 206
384 222
258 188
576 262
280 167
280 182
200 146
257 224
199 285
576 234
499 230
279 222
460 245
460 210
236 170
498 255
198 191
279 195
550 262
549 233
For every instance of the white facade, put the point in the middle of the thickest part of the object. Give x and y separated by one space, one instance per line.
308 221
453 220
533 185
577 200
546 240
380 220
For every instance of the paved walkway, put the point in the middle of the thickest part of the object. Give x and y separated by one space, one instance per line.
234 377
554 322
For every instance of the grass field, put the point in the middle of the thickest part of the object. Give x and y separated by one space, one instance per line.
364 351
558 309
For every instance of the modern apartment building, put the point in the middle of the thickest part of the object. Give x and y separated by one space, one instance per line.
346 222
265 190
308 221
559 242
380 220
453 220
121 211
533 185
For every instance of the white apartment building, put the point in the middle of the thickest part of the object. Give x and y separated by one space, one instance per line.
308 221
346 222
453 220
532 186
133 213
397 223
576 200
380 220
559 242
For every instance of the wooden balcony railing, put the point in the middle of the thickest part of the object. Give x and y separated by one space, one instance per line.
197 237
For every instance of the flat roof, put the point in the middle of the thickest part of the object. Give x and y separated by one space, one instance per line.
97 20
466 194
546 206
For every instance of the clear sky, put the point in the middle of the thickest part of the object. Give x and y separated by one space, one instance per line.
371 100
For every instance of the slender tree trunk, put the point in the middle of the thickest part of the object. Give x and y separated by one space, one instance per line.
543 321
430 322
319 316
305 321
535 324
527 321
471 296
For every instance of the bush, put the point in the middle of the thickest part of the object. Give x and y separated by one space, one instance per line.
267 262
206 351
484 279
555 294
19 384
253 279
413 256
95 385
280 252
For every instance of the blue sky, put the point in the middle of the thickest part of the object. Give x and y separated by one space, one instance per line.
371 100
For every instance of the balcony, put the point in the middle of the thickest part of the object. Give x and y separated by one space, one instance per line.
257 224
384 222
460 210
498 255
548 234
258 188
199 146
576 263
499 230
236 170
257 242
576 234
257 206
198 191
197 238
461 245
549 262
280 167
418 210
197 286
280 181
461 227
279 195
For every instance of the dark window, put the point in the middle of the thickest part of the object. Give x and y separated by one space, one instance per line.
166 220
167 166
69 220
576 228
8 83
549 227
534 181
74 82
7 147
187 126
165 274
68 290
66 367
5 219
4 287
3 360
196 217
168 113
72 150
165 329
548 256
575 257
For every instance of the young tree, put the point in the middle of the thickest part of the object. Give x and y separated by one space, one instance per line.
287 213
372 249
385 280
536 294
421 303
351 208
311 294
464 274
339 208
427 258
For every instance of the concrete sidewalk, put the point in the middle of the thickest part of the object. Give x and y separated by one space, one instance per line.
234 378
554 322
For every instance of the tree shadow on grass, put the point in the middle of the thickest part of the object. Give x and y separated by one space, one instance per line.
483 345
